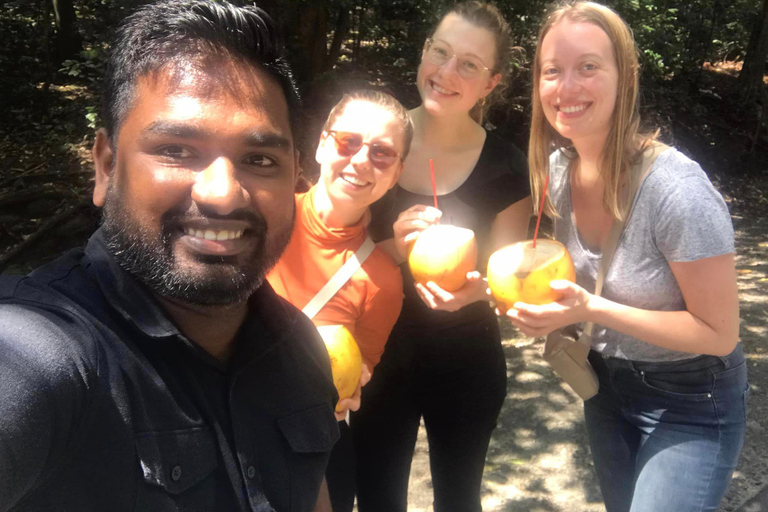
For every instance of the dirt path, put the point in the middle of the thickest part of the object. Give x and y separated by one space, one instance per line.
539 461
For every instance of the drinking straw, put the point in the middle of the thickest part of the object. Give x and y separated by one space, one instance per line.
432 173
541 209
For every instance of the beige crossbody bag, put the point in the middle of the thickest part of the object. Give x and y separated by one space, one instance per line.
565 350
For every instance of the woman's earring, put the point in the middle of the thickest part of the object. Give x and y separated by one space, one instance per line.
481 102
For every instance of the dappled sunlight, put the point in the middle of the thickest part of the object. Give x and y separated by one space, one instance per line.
538 458
749 210
753 297
758 330
528 377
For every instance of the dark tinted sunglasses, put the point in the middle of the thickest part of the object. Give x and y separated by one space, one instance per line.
349 143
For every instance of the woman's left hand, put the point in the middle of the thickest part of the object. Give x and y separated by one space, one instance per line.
535 321
353 403
476 288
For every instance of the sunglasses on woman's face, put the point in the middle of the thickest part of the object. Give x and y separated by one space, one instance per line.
348 144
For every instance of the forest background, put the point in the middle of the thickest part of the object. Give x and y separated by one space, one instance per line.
703 84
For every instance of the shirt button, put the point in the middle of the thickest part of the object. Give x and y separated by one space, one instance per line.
176 473
251 472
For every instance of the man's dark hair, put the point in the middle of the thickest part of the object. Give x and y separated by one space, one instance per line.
177 32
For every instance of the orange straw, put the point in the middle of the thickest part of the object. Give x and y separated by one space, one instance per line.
541 209
434 188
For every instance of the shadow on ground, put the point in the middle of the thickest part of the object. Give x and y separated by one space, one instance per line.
538 460
750 220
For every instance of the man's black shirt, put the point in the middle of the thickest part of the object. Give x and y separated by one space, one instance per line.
105 405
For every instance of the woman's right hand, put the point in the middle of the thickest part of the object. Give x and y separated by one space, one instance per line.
410 223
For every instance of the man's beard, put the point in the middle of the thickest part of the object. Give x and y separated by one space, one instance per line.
224 280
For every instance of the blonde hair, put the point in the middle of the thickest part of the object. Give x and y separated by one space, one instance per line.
624 143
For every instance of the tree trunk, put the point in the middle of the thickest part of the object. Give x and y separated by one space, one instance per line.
339 35
311 41
716 8
751 76
360 8
68 41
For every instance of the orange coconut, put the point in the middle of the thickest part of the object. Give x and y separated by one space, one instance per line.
346 360
443 254
522 273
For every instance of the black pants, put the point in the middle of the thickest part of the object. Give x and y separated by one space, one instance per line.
457 382
340 474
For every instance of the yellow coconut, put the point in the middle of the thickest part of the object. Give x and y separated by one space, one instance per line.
443 254
346 360
522 273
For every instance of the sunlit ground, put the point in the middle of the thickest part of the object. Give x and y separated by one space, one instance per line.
728 67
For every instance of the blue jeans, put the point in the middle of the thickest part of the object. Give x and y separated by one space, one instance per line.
666 437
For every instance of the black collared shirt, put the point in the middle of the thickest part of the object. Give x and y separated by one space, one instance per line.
105 405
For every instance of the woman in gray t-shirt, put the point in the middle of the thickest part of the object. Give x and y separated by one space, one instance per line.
667 426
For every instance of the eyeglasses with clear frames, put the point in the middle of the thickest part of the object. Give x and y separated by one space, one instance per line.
438 53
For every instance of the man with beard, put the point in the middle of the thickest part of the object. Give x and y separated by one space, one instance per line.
156 370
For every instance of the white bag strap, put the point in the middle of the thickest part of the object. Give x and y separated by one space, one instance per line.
338 280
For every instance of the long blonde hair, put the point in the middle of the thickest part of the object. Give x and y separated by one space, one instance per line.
624 142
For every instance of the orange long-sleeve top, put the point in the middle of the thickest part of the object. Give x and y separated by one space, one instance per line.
368 304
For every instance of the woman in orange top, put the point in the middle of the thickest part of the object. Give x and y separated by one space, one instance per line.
364 142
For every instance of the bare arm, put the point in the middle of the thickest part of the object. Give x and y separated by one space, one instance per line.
709 325
511 224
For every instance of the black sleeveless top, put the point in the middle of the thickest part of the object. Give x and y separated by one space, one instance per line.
499 179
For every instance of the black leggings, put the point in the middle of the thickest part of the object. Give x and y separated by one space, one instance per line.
457 382
341 473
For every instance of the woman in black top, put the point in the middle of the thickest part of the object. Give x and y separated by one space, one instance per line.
443 360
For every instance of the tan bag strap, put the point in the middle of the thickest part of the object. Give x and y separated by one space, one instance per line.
611 243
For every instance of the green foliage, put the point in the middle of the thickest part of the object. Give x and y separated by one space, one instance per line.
381 43
92 116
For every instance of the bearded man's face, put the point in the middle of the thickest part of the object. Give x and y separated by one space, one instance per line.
199 204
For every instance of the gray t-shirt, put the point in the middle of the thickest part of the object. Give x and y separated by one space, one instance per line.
678 216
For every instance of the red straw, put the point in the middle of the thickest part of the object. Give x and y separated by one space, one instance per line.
541 209
432 172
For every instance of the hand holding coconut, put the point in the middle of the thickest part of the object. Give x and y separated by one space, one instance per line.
350 373
533 284
539 320
441 258
474 289
409 224
352 403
